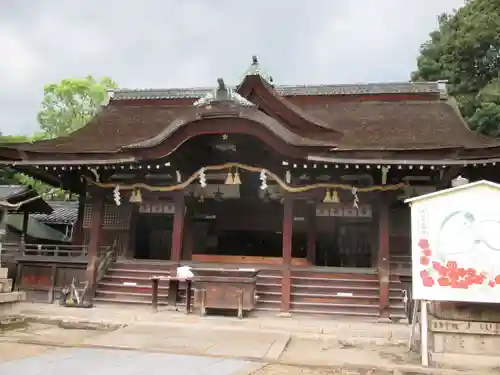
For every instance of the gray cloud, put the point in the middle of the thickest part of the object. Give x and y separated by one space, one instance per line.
167 43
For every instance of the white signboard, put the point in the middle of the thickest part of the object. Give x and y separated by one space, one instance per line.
456 244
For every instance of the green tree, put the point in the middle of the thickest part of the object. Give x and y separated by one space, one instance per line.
72 103
11 176
66 107
465 50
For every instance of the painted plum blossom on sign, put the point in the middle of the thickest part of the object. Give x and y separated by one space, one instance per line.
450 266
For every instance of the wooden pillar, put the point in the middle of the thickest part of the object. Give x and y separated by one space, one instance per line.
287 253
24 231
383 256
96 235
78 231
178 226
311 233
129 252
188 235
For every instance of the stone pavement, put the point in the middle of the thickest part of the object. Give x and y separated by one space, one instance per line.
301 343
118 362
354 330
256 346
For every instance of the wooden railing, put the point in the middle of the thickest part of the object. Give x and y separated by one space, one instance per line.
107 256
14 250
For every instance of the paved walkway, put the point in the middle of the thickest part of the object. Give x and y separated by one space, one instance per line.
118 362
354 330
298 342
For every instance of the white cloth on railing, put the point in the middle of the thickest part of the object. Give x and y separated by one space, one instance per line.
184 272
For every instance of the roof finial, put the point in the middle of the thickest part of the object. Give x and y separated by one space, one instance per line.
255 70
222 93
221 85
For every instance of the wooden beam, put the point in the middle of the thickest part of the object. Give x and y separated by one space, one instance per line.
383 256
96 236
311 233
178 226
78 231
286 278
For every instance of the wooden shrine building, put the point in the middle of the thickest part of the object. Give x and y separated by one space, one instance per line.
303 182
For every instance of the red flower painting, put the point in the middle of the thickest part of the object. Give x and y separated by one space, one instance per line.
449 274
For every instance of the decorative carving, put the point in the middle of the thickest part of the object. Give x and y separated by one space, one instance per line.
222 93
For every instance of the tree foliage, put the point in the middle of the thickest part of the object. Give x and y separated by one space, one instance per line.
465 50
72 103
66 107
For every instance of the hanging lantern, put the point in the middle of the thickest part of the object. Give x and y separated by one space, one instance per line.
328 197
229 179
237 180
335 197
136 196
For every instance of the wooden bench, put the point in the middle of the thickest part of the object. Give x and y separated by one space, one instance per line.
225 289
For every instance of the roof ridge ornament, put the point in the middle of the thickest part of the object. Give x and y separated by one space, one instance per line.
222 93
255 70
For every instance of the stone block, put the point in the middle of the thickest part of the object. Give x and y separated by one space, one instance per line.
12 297
4 273
5 285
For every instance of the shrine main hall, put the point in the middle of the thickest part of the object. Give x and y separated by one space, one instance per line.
305 183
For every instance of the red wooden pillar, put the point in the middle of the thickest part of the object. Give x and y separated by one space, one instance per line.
383 256
311 233
96 235
178 226
287 253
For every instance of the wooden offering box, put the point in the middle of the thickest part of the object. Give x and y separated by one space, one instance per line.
225 289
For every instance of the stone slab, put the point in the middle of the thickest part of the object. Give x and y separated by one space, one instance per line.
4 273
220 342
12 297
119 362
5 285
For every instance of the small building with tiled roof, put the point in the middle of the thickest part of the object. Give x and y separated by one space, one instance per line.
286 178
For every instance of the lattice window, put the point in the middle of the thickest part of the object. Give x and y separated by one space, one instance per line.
115 217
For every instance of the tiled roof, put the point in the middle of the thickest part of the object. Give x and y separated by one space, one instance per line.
293 90
8 191
64 213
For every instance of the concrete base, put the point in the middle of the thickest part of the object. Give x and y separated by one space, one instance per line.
284 314
384 320
465 360
12 297
8 302
5 285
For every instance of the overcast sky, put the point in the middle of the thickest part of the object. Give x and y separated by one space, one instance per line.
184 43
